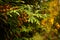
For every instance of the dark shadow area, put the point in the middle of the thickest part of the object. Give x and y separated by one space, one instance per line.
3 28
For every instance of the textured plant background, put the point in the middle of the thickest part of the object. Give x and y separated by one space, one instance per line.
29 20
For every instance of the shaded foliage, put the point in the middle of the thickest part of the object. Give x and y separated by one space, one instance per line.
22 19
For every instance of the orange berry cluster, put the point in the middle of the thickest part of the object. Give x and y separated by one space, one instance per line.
4 8
23 18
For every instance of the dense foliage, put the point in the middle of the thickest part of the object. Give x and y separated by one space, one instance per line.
29 20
